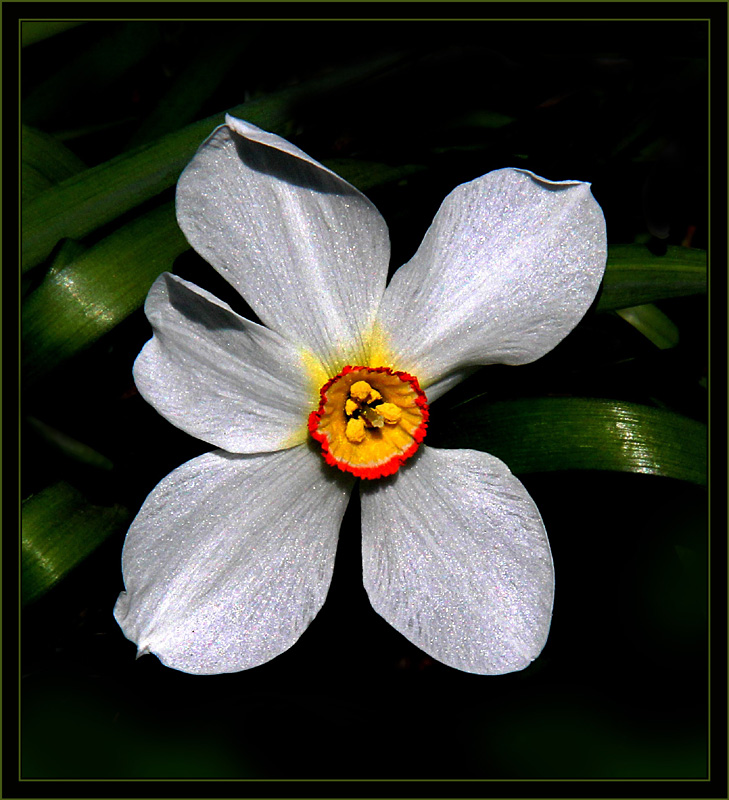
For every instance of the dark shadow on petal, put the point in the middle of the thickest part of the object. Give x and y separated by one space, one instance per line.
287 168
199 309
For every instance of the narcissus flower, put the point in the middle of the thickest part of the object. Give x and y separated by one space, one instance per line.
231 556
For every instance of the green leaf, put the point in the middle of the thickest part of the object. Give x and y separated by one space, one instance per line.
80 205
60 529
653 324
634 276
553 433
68 446
44 162
77 303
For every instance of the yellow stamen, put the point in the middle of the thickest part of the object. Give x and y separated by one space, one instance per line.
360 391
355 431
350 406
389 412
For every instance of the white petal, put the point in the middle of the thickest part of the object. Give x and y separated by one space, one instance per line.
456 558
218 376
306 250
230 559
444 384
507 269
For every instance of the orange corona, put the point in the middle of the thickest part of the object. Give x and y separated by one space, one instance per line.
370 420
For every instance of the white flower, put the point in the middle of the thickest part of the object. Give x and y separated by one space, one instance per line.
230 557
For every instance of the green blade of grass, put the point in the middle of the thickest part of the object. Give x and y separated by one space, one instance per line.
61 528
44 161
70 448
78 303
634 276
554 433
653 324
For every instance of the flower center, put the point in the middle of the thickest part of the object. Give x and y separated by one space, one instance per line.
370 420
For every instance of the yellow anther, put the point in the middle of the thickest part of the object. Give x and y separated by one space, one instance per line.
355 431
389 412
350 406
360 391
373 395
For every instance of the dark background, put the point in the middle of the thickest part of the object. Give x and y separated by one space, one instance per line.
621 689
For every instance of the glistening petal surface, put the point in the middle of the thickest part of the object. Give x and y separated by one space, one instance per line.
218 376
230 559
508 267
306 249
456 558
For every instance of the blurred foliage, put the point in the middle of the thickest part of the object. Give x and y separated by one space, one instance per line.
406 112
36 30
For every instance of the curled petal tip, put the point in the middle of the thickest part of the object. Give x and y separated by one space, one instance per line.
549 181
142 650
241 126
